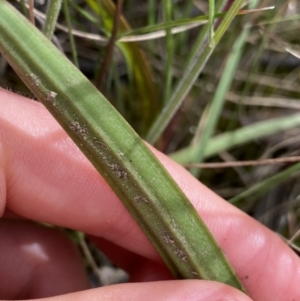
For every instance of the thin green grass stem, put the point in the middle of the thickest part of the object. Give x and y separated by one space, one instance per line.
24 9
191 73
238 137
211 23
151 12
167 10
71 37
52 13
182 40
264 186
204 133
151 9
83 12
199 20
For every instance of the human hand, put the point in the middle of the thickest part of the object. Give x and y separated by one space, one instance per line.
44 177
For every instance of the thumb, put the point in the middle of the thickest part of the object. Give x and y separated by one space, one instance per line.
175 290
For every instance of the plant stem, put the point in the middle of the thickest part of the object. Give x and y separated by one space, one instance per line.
214 108
31 15
53 10
211 23
237 137
71 38
262 187
167 9
110 47
136 176
195 66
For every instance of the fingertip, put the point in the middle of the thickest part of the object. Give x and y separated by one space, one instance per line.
37 261
200 290
180 290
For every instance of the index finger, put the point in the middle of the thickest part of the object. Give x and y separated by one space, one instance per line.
46 178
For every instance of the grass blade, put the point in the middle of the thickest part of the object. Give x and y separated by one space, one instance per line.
167 9
52 13
262 187
231 139
117 152
211 23
176 24
195 66
71 37
110 46
217 103
137 65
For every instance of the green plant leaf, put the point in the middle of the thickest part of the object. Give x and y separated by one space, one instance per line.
214 108
193 69
140 181
52 13
137 64
229 140
263 186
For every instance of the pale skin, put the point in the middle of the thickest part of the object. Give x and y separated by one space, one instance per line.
44 177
